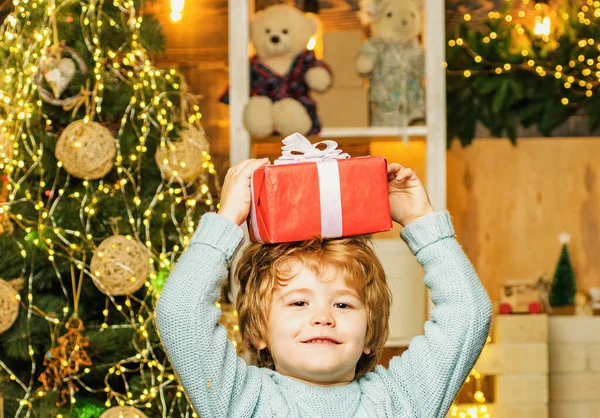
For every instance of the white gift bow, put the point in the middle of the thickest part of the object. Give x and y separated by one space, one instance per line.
297 149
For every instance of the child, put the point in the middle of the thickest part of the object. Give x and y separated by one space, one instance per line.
315 314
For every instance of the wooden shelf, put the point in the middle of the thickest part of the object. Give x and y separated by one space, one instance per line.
357 135
373 131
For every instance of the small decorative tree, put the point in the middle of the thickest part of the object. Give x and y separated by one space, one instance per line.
563 284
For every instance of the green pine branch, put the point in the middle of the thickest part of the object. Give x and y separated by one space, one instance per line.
519 96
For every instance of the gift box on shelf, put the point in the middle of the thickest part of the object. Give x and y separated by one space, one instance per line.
310 192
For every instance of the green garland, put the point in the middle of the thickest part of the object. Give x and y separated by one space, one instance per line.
502 86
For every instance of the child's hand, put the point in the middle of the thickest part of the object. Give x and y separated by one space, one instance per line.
235 195
408 198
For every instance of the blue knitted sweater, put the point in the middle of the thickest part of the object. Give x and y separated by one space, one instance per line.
421 383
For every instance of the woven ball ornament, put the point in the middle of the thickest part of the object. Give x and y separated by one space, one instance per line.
9 306
183 157
123 412
196 135
120 265
87 150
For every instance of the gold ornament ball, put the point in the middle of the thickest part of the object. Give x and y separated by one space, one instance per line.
123 412
9 306
87 150
120 266
183 157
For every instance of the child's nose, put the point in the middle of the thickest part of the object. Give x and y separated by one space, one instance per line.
323 320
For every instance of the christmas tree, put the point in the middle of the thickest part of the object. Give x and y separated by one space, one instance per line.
563 284
106 170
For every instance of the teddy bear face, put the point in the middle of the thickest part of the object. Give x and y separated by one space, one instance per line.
398 20
281 30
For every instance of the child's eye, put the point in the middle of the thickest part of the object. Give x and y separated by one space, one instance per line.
342 305
299 303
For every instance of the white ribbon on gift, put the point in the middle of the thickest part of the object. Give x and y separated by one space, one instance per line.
298 149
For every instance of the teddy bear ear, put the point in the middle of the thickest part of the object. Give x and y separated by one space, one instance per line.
420 4
312 23
255 22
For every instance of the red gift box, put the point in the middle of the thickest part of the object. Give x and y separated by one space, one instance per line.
331 198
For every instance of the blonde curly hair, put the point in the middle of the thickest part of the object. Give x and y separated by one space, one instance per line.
262 268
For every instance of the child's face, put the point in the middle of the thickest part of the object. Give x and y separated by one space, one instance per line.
317 327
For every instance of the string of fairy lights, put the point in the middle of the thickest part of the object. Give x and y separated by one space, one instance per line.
150 109
579 76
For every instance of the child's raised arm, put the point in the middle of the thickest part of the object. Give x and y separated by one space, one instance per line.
217 382
430 373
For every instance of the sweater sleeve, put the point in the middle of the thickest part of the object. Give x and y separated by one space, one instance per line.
430 373
217 382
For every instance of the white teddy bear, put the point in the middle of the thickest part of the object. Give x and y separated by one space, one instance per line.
282 72
393 59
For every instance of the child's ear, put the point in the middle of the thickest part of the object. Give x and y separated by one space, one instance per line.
261 345
367 350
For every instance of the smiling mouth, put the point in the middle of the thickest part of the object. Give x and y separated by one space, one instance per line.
321 341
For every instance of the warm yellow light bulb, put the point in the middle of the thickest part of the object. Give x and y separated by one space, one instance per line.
177 10
542 26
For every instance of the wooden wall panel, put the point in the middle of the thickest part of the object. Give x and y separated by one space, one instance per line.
509 203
